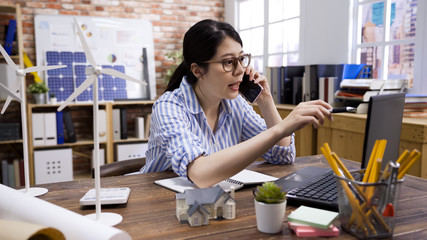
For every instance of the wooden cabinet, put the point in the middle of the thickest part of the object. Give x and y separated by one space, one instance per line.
305 144
82 118
345 135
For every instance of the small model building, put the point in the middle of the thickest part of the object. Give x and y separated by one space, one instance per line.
197 206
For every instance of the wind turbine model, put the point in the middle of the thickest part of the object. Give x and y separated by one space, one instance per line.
94 71
20 87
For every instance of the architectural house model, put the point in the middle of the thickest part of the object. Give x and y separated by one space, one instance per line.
197 206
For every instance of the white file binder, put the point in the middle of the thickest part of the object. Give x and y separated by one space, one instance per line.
38 129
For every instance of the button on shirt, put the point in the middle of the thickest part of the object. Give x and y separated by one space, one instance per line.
180 132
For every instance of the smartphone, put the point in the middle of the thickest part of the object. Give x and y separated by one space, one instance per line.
249 89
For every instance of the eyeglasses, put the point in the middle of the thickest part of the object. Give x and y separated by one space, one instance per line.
229 64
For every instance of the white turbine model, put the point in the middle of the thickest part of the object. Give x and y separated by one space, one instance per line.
20 87
94 71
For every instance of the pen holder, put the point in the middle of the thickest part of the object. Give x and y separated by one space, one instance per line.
368 210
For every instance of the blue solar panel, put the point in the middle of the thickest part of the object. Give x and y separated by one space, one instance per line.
63 81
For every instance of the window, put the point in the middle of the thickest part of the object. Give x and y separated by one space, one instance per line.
270 31
386 37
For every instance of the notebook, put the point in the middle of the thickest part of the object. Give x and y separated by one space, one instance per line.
384 121
245 177
314 217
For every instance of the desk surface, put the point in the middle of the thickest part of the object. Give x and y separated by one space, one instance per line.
150 211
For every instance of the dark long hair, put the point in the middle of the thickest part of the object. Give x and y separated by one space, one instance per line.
200 44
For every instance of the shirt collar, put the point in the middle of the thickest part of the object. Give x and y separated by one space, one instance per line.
192 102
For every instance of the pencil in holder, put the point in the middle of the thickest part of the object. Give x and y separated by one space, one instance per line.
368 210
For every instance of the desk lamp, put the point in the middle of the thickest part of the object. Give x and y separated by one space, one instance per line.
12 93
94 71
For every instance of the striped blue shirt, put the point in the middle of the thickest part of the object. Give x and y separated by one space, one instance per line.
180 132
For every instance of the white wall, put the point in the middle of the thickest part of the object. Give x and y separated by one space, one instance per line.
324 32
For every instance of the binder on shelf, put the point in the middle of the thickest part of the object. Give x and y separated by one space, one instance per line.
16 173
139 128
288 76
4 172
327 89
11 175
60 127
38 129
10 36
102 124
116 124
123 124
71 135
297 90
312 74
49 129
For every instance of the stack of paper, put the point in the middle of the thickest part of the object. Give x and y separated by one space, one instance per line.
313 222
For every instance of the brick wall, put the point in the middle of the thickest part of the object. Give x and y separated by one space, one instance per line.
170 19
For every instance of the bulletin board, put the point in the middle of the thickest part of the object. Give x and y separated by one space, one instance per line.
112 41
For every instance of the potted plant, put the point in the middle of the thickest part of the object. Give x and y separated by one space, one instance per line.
270 207
52 98
38 90
177 59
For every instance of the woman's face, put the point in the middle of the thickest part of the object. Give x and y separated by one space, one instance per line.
217 84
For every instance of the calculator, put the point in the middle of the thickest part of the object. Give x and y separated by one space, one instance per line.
107 196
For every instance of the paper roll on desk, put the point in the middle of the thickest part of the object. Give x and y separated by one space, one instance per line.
15 205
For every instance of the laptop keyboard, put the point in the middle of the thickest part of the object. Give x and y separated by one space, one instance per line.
319 192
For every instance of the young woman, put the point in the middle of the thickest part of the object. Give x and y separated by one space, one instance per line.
201 127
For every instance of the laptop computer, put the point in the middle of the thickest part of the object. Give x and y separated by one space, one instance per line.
316 187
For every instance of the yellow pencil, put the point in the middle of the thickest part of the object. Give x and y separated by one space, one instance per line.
411 162
371 161
406 160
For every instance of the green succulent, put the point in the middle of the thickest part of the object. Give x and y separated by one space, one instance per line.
270 192
38 87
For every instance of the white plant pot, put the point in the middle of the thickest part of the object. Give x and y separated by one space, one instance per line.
270 217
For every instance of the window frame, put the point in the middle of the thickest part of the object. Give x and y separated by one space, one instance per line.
265 56
420 49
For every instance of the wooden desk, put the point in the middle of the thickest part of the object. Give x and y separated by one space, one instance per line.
150 211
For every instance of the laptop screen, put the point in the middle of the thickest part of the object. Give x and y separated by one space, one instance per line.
385 113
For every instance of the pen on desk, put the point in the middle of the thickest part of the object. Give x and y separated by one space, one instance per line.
342 109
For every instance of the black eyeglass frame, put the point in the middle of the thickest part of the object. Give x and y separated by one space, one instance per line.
234 60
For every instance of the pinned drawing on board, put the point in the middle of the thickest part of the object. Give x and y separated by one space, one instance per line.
93 72
13 94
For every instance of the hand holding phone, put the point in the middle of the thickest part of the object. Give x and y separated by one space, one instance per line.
249 89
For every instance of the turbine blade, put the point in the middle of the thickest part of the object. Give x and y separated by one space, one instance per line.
43 68
6 104
118 74
84 44
78 91
8 59
7 91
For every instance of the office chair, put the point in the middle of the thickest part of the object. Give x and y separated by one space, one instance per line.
120 167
